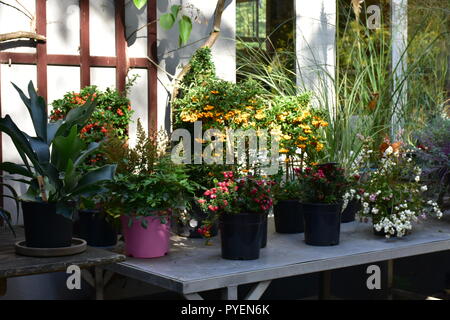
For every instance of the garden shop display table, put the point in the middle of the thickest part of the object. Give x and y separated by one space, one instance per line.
191 267
13 265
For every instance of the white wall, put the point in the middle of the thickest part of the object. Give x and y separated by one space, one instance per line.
316 44
170 56
63 38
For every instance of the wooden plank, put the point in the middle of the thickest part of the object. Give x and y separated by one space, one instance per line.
325 285
152 75
285 256
193 296
13 265
121 65
258 290
99 285
85 70
17 58
63 60
230 293
41 48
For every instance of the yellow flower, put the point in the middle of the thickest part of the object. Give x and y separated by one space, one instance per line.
283 150
260 115
301 145
194 99
208 107
214 92
287 137
319 146
302 138
323 124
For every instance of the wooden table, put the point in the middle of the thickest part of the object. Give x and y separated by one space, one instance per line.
191 267
13 265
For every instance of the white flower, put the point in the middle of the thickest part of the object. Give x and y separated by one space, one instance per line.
375 210
388 151
417 178
424 188
365 204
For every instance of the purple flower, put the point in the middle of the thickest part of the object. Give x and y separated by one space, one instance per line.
373 197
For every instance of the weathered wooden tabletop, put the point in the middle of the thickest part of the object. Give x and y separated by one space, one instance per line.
191 266
13 265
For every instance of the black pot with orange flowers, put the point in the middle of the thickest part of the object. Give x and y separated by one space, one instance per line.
240 205
322 188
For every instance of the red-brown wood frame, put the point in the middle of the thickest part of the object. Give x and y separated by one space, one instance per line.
85 61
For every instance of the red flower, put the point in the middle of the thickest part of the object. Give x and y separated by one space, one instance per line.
201 201
120 112
104 130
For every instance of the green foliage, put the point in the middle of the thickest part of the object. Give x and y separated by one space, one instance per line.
202 69
147 182
325 183
140 3
55 154
112 113
168 19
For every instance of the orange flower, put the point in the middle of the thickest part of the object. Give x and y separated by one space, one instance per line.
215 92
120 112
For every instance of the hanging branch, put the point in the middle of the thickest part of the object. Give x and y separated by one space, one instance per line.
213 36
20 35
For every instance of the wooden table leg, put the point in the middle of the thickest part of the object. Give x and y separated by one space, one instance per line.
99 283
3 286
325 285
230 293
390 278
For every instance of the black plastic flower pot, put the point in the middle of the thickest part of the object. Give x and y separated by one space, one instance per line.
241 235
288 216
322 223
264 232
349 213
93 227
44 228
191 231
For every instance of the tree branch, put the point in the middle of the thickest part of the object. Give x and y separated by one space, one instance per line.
213 36
20 35
29 15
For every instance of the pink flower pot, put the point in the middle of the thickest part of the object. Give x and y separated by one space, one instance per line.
151 242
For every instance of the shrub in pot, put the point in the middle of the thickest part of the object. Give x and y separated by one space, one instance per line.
287 211
94 224
148 191
241 206
52 170
111 116
393 195
322 188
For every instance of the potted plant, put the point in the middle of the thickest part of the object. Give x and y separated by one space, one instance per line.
147 192
52 170
322 188
288 215
240 205
94 224
433 155
393 195
112 116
